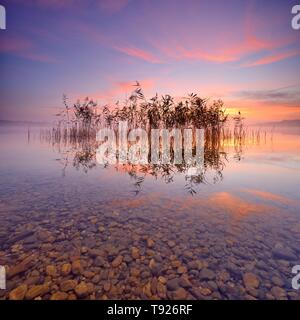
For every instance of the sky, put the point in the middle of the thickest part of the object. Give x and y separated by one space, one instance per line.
243 52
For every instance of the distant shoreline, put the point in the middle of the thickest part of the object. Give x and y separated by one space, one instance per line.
23 123
283 123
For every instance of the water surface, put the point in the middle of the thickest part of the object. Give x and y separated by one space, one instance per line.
72 229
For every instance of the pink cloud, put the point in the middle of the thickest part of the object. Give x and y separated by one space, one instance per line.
253 36
23 48
97 36
138 53
12 45
117 90
229 52
273 58
232 47
176 51
123 87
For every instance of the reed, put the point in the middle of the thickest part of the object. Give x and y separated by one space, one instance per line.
83 119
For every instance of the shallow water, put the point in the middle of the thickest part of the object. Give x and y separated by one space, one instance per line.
72 229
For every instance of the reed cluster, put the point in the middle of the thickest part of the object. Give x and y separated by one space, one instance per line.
82 119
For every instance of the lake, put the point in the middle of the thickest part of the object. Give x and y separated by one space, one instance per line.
73 229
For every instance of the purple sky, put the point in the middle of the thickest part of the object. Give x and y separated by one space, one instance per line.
244 52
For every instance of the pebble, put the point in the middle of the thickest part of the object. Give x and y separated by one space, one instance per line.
171 244
135 272
205 291
206 274
193 265
173 284
284 253
277 281
68 285
82 290
99 261
278 293
184 282
59 296
77 267
21 267
147 290
18 293
150 243
161 290
51 270
96 279
135 253
162 279
251 281
117 261
37 291
106 286
66 269
180 294
181 270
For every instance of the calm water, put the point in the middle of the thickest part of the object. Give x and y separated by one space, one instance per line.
70 228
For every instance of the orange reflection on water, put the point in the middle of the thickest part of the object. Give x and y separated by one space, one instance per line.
237 206
270 196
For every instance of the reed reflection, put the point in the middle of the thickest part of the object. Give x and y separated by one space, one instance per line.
218 144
